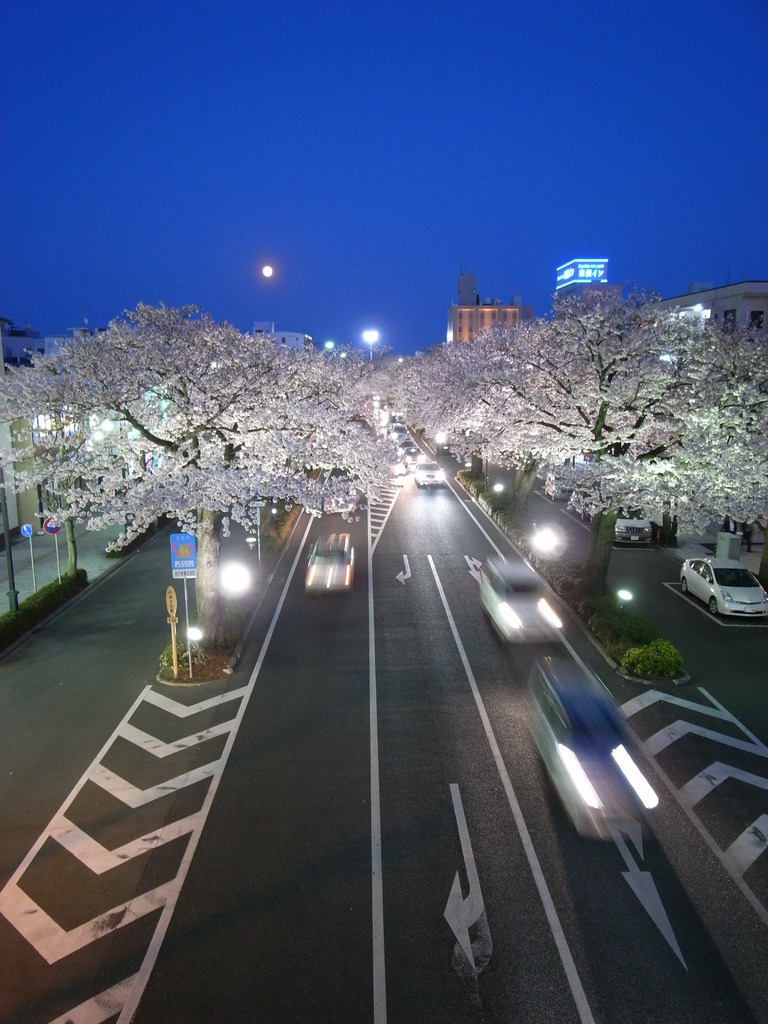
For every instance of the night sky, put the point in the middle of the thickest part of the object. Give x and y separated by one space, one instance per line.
164 151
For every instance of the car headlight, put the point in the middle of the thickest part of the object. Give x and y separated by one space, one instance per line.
578 776
510 616
548 612
726 596
634 777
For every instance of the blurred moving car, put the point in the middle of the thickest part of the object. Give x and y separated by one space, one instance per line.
330 565
724 585
580 736
399 433
428 474
411 456
633 530
514 599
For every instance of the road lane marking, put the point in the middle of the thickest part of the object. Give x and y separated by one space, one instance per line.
51 940
404 574
566 958
473 564
463 913
643 886
377 878
741 854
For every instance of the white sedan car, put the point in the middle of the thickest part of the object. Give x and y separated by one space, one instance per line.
724 585
428 474
515 600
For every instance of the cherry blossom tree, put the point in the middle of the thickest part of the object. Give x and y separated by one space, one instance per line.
171 414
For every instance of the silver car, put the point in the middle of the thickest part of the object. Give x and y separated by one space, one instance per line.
724 585
515 600
330 565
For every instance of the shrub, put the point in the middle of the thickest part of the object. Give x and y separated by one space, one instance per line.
657 660
199 657
39 606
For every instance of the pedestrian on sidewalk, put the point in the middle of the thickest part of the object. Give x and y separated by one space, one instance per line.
746 535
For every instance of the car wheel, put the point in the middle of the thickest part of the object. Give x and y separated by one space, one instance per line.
684 585
713 605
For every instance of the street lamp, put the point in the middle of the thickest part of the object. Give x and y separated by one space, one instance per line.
370 337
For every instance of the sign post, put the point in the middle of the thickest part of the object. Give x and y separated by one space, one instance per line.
53 528
184 566
26 531
170 604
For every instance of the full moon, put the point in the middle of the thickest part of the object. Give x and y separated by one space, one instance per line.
267 271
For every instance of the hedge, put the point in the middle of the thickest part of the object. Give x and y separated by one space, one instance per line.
33 609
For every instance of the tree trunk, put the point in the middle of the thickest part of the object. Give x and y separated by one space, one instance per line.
599 550
210 610
525 477
69 532
762 572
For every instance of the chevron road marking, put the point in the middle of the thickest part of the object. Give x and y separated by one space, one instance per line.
742 853
41 931
53 942
134 797
379 512
671 733
155 746
173 707
103 1006
98 858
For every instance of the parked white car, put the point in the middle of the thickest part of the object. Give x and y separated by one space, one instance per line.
724 585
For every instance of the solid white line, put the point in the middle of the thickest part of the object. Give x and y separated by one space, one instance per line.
572 975
377 880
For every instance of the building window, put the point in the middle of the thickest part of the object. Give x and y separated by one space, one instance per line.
756 318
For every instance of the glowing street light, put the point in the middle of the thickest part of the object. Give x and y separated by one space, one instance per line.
235 578
267 271
370 337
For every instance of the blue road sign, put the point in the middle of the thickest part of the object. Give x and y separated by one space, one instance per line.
26 530
183 556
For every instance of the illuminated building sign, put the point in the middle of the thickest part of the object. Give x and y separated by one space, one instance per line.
582 272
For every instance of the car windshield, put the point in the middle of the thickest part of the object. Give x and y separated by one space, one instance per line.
593 723
522 587
330 556
735 577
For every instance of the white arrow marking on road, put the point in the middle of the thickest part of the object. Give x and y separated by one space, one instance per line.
406 574
474 566
643 886
462 914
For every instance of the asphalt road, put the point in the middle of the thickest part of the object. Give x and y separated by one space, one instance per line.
356 826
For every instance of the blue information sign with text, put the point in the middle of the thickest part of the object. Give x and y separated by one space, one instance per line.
183 556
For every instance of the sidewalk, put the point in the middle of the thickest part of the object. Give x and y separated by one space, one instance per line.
692 545
90 556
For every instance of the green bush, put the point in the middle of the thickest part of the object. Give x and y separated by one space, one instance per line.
34 609
619 630
657 660
199 657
